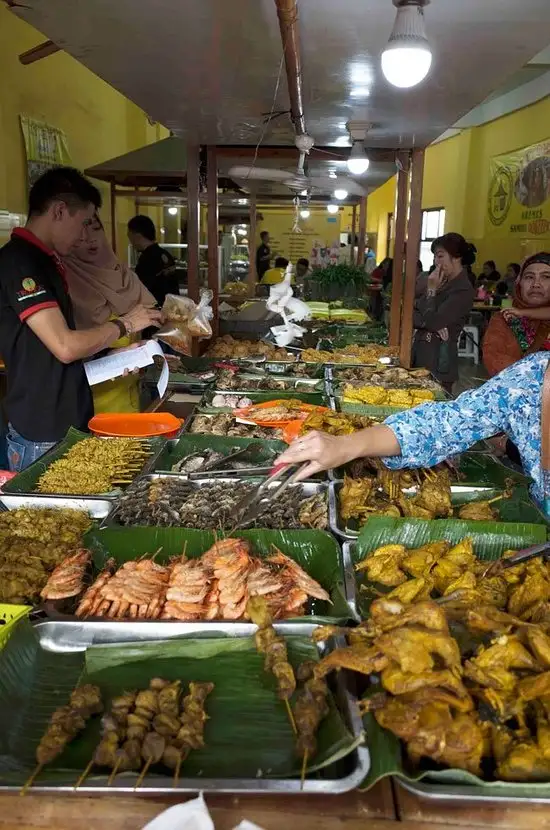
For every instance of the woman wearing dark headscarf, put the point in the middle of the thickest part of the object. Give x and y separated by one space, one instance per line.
524 328
441 310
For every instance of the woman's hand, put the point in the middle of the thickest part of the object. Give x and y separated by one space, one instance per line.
444 335
436 279
510 313
140 318
321 450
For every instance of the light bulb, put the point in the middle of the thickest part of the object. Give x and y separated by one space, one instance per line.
340 194
173 211
332 208
358 162
332 175
407 58
241 231
163 230
305 214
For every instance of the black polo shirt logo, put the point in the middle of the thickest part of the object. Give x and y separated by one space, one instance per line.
29 289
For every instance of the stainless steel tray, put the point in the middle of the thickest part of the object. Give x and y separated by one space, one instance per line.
335 519
307 488
98 508
464 794
336 779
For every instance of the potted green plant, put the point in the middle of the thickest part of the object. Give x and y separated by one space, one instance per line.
337 281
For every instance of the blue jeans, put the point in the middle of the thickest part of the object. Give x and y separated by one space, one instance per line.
22 452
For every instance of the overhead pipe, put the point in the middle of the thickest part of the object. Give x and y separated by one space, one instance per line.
287 12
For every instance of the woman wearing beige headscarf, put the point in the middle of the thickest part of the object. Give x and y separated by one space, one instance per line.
101 289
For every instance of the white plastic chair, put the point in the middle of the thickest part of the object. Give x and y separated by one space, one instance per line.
468 343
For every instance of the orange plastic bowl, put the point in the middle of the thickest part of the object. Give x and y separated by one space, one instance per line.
135 424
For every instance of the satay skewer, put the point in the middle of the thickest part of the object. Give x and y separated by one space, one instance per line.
85 774
30 780
143 772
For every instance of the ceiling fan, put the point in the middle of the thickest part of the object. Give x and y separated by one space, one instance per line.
299 180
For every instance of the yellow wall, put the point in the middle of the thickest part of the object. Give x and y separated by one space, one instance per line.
456 177
99 122
318 226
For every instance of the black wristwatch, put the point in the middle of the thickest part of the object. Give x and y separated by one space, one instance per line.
120 326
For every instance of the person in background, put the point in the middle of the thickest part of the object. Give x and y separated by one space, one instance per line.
101 289
524 328
302 269
517 402
489 276
511 275
263 256
47 387
277 273
501 292
156 267
419 268
384 272
440 312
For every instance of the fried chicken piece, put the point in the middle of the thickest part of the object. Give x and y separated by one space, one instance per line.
361 658
398 682
531 688
419 562
486 619
387 614
530 592
524 762
383 565
506 652
539 643
412 648
415 590
435 497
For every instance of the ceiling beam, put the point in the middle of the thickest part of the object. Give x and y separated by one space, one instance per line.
37 53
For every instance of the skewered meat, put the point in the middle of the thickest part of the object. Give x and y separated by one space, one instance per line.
268 642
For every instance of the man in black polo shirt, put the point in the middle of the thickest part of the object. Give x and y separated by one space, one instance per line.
47 387
263 256
156 267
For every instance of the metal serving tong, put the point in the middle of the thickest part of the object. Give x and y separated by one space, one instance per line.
518 558
248 508
215 469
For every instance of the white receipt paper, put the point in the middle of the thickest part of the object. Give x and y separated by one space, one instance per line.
192 815
114 365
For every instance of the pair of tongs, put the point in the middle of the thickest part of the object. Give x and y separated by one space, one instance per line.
250 506
518 558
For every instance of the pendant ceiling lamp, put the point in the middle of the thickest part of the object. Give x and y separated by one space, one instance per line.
407 58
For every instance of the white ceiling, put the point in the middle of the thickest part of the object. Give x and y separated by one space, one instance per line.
208 69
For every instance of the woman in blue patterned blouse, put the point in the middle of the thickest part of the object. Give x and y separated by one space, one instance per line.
428 434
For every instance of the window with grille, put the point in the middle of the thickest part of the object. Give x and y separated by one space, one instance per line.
433 226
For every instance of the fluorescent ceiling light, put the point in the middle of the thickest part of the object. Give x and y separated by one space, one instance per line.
340 194
332 208
407 58
358 162
173 211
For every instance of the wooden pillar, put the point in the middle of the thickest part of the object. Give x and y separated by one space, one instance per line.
213 258
399 247
193 209
252 276
413 251
113 216
362 232
353 231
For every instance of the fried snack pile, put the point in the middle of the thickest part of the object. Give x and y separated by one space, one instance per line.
229 379
457 575
379 396
175 502
228 347
282 410
388 377
483 707
382 495
153 726
67 721
335 423
350 354
93 466
215 586
33 541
